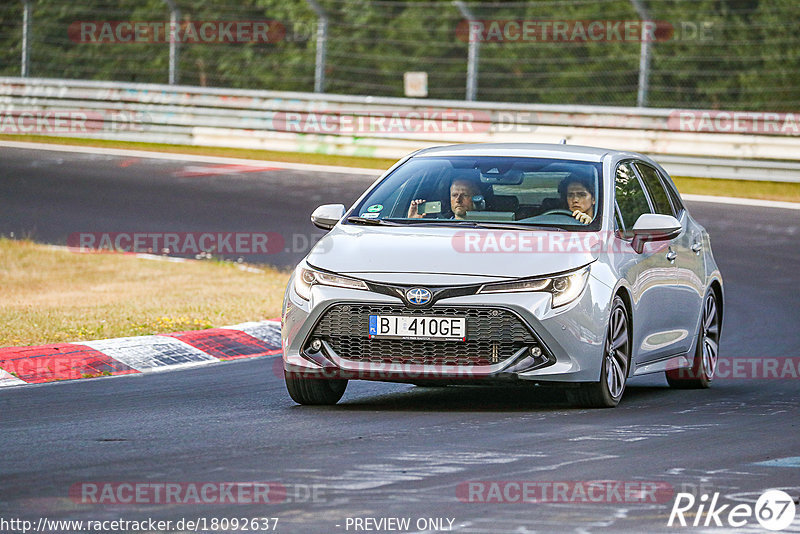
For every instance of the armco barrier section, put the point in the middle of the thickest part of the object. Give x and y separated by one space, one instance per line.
392 127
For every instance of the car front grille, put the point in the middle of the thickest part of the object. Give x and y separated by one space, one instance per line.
493 335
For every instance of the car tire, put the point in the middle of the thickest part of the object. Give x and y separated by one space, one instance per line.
706 351
616 362
314 391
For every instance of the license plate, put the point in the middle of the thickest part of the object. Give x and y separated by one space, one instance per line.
403 326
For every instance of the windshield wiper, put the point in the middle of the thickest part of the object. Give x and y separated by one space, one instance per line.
455 222
503 226
375 222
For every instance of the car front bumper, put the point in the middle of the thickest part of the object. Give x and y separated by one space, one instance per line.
571 338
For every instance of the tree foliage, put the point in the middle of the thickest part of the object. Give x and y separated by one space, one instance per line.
729 54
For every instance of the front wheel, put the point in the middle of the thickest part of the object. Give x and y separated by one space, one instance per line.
706 351
314 391
616 360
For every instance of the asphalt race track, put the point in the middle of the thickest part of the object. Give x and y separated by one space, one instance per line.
386 450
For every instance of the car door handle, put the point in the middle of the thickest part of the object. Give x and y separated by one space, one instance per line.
671 255
697 247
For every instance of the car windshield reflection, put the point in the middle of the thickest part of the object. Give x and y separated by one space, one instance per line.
493 191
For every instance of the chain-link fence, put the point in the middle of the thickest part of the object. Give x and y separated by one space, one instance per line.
728 54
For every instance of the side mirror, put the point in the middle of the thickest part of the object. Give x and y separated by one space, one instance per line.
654 227
327 215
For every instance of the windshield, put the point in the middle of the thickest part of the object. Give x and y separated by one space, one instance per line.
511 191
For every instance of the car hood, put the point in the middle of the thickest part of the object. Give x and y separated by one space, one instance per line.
367 252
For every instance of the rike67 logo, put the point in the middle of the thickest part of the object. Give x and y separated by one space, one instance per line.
774 510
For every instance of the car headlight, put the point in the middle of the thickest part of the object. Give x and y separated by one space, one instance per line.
305 279
565 288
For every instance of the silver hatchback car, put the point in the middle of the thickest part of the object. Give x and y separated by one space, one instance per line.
506 264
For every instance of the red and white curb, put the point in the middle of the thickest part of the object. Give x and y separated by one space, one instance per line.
141 354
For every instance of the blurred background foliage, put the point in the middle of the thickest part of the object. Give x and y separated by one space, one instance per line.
722 54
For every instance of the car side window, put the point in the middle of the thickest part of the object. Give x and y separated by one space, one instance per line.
630 196
618 226
655 188
677 202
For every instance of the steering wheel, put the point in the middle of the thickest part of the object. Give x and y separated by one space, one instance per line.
557 212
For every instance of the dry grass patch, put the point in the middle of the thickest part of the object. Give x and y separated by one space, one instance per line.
49 295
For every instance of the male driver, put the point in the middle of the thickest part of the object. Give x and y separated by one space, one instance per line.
461 192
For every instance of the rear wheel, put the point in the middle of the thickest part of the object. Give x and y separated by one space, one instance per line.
706 351
314 391
616 360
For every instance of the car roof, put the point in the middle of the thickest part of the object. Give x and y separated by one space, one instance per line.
526 150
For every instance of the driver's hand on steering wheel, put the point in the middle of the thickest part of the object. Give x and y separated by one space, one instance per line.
585 218
413 211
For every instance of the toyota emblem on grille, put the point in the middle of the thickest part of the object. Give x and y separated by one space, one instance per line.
418 296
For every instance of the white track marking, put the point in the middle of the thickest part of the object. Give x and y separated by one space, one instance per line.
743 202
267 331
151 353
189 157
325 168
7 379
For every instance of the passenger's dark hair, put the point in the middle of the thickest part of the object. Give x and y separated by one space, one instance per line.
576 178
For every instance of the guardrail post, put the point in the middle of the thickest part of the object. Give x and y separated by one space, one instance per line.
174 41
472 51
26 38
644 57
322 46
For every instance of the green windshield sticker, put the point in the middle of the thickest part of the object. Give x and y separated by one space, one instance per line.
375 208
